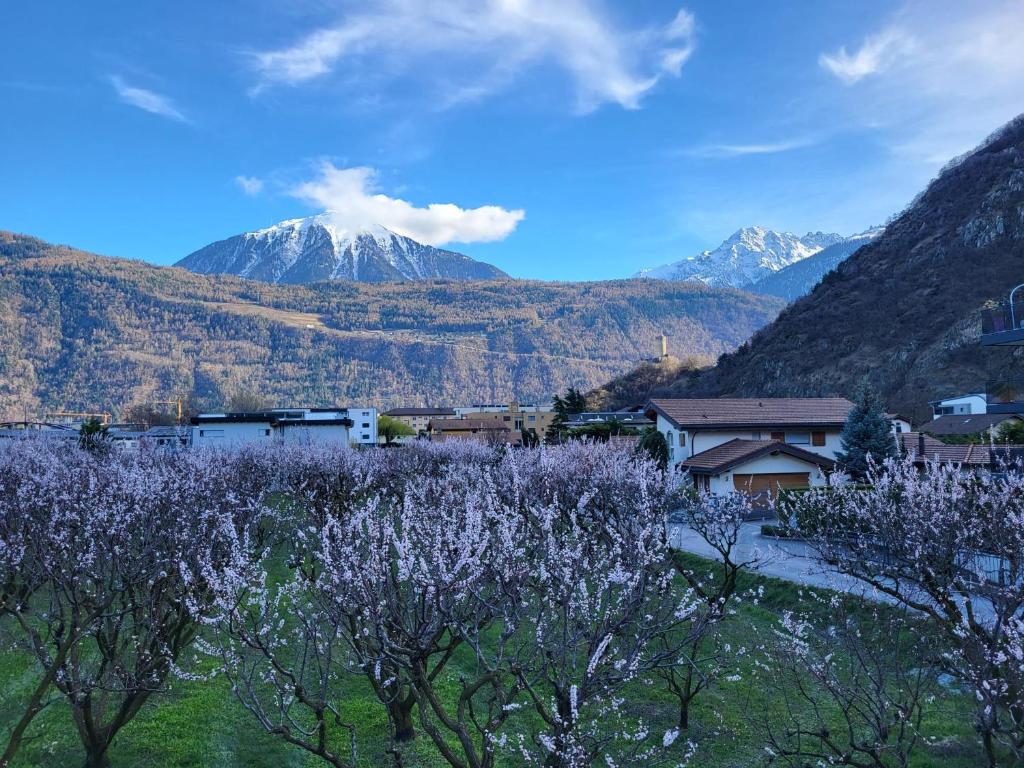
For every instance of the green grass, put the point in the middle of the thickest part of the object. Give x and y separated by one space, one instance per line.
199 723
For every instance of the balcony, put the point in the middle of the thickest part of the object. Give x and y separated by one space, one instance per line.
1003 325
1005 396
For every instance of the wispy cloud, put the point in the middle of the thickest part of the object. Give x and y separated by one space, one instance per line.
740 150
938 76
250 185
351 198
876 54
147 100
495 40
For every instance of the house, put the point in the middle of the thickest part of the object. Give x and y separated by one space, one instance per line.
629 418
692 426
970 424
760 468
171 438
485 430
960 404
923 448
338 426
516 416
419 418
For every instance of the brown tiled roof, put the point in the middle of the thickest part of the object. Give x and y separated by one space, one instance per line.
966 423
926 448
722 413
419 412
467 425
722 457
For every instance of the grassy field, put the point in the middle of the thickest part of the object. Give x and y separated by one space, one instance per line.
201 724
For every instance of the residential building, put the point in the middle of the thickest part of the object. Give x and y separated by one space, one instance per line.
340 426
1003 324
514 415
486 430
692 426
419 418
636 419
970 424
760 468
975 403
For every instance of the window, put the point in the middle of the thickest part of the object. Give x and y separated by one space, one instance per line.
266 432
531 418
798 438
506 418
670 438
682 438
780 436
818 438
755 435
366 425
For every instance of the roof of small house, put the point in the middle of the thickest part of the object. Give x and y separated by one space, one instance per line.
723 413
420 412
966 423
723 457
467 425
926 448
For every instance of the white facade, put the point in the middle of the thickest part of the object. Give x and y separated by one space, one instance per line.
230 434
964 404
290 425
683 444
364 425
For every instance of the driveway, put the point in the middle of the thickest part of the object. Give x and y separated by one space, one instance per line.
789 560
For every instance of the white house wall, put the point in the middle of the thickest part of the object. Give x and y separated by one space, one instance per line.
703 440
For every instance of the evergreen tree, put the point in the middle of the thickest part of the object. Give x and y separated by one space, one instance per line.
867 432
654 444
574 402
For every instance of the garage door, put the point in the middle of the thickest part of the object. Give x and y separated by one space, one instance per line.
763 488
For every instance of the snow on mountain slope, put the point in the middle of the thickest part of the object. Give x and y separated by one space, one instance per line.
749 255
311 249
799 279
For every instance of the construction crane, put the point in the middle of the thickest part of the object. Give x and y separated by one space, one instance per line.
177 403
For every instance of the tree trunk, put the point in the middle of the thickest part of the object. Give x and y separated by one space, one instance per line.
400 715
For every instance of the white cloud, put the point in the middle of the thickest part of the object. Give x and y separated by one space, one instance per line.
495 40
250 185
877 53
148 101
740 150
350 197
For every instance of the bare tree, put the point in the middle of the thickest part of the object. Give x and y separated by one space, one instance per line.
718 520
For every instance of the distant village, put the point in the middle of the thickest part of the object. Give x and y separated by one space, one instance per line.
761 446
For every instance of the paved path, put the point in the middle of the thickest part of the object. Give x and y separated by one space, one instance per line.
789 560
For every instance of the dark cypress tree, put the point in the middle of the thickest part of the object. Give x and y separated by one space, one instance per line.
867 432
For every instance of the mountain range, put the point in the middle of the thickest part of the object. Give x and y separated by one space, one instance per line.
316 248
746 257
83 332
902 310
800 277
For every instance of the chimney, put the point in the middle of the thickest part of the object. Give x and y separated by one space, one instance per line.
920 445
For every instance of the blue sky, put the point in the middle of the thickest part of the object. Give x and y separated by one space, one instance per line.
571 140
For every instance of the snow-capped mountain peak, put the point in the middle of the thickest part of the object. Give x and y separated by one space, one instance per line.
746 256
315 248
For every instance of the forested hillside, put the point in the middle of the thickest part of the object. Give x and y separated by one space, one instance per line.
903 310
85 332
